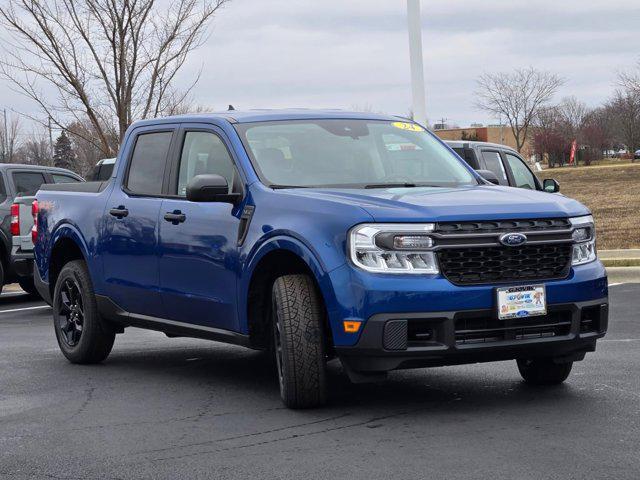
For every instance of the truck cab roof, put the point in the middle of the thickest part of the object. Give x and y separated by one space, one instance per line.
268 115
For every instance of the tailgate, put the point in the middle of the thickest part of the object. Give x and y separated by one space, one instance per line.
23 241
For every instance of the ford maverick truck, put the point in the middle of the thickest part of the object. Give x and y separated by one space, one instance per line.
319 236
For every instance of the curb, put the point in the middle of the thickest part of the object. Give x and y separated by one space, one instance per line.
620 262
623 274
620 258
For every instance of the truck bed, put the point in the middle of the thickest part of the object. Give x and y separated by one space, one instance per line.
86 187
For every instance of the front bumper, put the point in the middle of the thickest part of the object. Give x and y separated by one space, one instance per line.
410 340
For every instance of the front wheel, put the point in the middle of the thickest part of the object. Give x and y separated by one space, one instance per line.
544 371
83 336
298 340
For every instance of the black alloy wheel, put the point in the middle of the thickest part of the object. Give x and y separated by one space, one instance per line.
70 312
83 336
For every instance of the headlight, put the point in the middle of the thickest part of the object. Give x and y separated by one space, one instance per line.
584 236
393 248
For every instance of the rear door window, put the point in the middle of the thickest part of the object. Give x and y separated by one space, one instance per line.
27 183
3 190
146 171
493 162
106 169
61 178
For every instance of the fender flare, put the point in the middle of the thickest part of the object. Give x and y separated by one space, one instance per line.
61 232
295 246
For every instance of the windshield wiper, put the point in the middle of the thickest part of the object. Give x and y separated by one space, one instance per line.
277 187
402 185
391 185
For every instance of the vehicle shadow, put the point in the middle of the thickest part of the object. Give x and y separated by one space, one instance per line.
252 374
16 297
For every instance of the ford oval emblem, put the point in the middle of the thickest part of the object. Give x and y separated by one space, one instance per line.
513 239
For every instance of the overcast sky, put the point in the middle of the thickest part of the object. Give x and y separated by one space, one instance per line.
354 53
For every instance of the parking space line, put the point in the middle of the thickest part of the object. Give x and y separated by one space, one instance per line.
24 308
625 340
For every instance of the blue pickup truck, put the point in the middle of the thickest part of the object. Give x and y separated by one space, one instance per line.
316 236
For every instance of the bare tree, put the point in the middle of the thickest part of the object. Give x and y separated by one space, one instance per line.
9 133
517 96
597 133
87 154
548 135
109 61
625 108
630 81
35 150
574 113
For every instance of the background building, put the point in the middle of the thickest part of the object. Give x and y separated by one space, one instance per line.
501 134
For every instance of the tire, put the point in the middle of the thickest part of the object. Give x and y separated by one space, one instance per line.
544 371
1 275
298 341
27 285
83 336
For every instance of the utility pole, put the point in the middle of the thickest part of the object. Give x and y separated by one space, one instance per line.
417 62
50 143
5 140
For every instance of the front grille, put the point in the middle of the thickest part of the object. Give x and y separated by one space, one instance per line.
489 329
477 265
504 225
470 252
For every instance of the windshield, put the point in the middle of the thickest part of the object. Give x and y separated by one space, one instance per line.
350 154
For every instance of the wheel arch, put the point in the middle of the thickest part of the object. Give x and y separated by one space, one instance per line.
280 256
66 245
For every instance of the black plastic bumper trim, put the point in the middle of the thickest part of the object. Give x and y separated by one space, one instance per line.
22 262
41 286
369 354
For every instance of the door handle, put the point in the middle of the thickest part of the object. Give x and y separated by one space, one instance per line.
175 217
119 212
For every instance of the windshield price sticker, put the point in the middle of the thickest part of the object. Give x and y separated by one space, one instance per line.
413 127
519 302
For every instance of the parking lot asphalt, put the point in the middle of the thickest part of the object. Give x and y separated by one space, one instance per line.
180 408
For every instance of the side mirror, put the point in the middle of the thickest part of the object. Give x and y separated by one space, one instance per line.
489 176
210 188
550 185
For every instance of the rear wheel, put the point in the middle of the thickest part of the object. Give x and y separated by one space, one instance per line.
298 340
1 275
544 371
82 335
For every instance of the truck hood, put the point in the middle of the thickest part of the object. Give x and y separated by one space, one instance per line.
451 204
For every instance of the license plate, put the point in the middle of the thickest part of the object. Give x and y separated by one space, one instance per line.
520 302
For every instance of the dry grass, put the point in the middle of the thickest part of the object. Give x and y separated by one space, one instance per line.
612 193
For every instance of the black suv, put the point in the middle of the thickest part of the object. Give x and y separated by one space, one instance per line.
22 181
